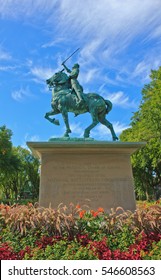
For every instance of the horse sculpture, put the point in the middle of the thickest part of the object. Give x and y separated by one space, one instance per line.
64 100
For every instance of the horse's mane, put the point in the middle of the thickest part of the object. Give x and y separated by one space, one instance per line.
63 75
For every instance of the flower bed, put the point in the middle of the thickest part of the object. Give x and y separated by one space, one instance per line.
72 233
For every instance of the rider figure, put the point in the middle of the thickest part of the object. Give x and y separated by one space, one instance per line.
74 82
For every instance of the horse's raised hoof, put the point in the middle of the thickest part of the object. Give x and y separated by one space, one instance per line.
56 122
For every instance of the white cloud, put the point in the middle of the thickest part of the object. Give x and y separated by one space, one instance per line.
41 73
140 68
89 75
29 63
119 127
4 55
77 129
157 32
120 99
53 43
58 135
109 23
7 68
106 24
143 68
25 9
34 138
102 31
108 29
29 138
20 94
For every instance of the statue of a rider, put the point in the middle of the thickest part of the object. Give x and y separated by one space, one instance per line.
74 81
64 101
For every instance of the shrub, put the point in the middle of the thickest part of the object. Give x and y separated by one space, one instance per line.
148 219
7 253
154 253
25 218
60 250
71 233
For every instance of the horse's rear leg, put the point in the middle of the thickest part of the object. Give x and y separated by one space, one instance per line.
109 125
94 123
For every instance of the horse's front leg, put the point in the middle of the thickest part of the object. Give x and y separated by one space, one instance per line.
51 113
66 121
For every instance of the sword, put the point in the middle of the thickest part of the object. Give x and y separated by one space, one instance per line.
70 56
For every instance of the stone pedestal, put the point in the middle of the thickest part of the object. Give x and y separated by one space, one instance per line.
93 173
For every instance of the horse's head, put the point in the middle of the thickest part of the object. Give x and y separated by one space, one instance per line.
57 78
50 82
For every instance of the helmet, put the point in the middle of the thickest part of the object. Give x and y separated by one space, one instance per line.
76 65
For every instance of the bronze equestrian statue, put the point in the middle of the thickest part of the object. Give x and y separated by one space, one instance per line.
68 96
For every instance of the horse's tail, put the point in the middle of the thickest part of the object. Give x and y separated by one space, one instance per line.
108 106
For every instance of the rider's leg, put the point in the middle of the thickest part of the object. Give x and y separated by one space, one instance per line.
77 89
79 94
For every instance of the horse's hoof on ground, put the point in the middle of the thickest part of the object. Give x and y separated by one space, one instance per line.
66 134
86 135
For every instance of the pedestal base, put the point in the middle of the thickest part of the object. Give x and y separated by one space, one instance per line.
97 174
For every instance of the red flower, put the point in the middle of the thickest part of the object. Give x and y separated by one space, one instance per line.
94 214
44 241
100 210
82 213
22 253
7 253
83 239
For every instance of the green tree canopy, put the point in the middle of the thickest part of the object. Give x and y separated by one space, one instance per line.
146 126
28 177
19 169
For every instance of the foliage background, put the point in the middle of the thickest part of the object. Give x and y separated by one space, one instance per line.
146 126
19 170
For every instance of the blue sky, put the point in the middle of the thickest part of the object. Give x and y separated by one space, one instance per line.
119 41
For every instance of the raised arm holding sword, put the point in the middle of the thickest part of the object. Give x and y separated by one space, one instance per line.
73 78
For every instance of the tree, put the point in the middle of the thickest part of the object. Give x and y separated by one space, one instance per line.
146 126
28 177
19 169
5 147
9 162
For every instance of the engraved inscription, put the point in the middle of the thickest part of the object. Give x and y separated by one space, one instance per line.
103 180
